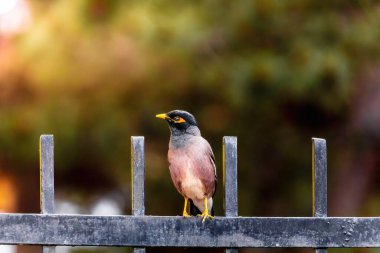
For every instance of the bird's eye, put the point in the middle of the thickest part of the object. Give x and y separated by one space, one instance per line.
178 120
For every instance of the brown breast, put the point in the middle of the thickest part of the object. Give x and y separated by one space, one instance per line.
192 169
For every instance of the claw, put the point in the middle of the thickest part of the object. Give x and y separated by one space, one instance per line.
185 214
205 216
205 213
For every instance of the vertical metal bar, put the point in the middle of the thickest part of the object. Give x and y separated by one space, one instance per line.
319 165
138 177
230 179
47 179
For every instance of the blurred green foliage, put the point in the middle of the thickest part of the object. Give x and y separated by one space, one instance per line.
273 73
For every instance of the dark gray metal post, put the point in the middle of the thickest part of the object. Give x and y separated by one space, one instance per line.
47 179
138 177
230 179
319 157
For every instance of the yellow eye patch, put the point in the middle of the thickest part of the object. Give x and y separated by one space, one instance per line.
178 119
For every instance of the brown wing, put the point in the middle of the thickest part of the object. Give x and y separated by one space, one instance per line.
212 158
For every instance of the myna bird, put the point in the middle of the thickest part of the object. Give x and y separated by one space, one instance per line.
191 163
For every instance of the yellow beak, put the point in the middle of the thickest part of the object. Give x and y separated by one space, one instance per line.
162 116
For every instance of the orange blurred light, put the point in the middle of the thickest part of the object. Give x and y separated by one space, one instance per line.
8 200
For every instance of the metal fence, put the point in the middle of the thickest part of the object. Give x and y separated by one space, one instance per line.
231 232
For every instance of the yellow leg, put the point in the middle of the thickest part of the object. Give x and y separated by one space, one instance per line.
185 214
205 213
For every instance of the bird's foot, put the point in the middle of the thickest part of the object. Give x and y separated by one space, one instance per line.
205 215
185 214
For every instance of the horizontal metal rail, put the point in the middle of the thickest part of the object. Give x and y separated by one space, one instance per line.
166 231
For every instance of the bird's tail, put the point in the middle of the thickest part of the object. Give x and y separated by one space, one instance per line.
194 211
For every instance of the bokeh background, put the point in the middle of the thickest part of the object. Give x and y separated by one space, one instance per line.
273 73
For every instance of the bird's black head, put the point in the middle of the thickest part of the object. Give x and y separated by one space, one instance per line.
180 121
